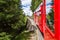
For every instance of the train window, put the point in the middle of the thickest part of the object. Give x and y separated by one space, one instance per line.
50 14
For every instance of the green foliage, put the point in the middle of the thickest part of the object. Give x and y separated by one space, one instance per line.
5 36
50 16
23 36
9 13
35 4
12 19
50 20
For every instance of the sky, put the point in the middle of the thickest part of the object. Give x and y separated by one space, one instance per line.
48 5
27 3
26 7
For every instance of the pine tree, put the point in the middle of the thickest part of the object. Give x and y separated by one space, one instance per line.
35 4
12 20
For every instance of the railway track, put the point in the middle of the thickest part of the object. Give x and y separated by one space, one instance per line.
31 26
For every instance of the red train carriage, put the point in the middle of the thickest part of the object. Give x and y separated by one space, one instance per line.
40 20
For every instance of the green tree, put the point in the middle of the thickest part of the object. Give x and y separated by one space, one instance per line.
35 4
12 20
50 20
50 16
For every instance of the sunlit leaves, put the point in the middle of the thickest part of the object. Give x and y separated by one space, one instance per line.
35 4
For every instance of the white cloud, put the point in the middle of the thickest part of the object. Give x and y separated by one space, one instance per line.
24 2
26 7
48 1
48 7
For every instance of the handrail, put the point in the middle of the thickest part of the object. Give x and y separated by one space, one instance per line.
52 34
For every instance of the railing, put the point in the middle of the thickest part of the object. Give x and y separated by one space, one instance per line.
51 33
38 22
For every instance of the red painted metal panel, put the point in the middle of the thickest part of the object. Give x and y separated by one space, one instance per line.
57 18
41 20
50 32
44 17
